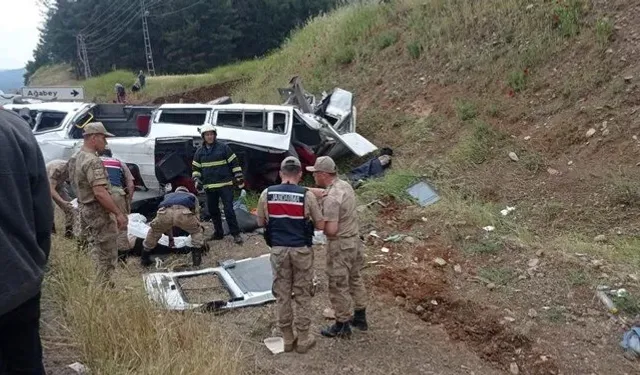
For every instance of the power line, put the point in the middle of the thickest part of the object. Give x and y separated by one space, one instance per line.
113 38
97 20
113 17
118 30
177 11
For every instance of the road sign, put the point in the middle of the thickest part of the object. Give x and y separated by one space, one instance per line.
54 93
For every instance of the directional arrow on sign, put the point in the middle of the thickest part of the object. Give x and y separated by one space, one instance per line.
74 93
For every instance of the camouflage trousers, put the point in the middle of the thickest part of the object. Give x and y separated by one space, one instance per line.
292 273
100 230
174 216
345 260
68 213
123 236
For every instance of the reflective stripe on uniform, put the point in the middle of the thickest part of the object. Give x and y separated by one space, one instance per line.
196 174
196 164
233 156
214 163
237 170
215 186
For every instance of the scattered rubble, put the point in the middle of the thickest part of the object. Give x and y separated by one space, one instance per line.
590 132
513 156
457 268
532 313
533 262
506 211
553 172
514 369
600 238
440 262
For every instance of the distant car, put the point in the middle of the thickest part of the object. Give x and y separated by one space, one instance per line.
16 99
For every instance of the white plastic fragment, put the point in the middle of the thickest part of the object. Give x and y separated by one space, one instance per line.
275 344
506 211
78 368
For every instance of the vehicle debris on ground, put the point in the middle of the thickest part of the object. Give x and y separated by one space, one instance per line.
246 282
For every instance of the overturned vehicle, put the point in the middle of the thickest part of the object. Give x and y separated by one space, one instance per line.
260 135
158 142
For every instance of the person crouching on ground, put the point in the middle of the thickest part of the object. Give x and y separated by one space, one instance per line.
178 209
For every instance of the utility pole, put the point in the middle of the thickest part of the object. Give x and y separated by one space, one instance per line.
147 41
82 55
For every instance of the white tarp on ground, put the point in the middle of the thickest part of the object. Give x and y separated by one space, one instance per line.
138 228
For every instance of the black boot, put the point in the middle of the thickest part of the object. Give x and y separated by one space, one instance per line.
145 258
216 237
196 256
68 232
339 329
238 239
359 320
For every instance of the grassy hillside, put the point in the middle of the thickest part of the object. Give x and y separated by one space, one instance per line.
456 88
461 84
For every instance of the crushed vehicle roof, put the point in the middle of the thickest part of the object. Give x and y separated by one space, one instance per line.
50 106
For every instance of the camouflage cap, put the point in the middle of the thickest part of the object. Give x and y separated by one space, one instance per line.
323 164
290 160
95 128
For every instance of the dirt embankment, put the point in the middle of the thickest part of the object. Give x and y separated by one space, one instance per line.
200 95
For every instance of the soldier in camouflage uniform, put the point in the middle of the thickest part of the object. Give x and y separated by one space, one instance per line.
58 174
122 189
345 256
96 206
288 210
178 209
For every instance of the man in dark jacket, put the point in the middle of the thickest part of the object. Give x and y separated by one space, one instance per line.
25 241
179 209
217 170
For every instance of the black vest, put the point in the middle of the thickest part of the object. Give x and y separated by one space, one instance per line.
287 225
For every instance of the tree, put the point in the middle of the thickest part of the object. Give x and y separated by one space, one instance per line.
187 36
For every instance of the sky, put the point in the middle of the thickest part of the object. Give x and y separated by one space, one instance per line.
19 33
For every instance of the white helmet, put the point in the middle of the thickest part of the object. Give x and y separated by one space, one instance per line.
207 128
